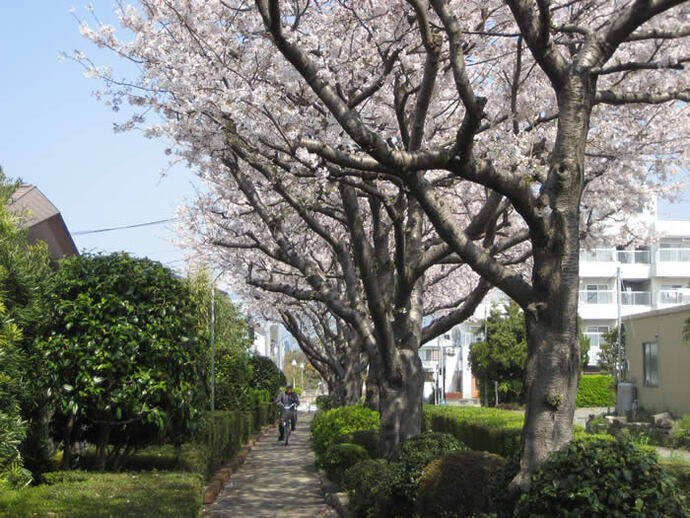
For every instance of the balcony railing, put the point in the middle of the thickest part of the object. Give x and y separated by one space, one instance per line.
597 297
636 298
673 297
611 255
628 298
675 255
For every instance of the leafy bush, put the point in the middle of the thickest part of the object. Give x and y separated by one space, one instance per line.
595 391
339 457
328 426
461 483
368 439
368 485
602 477
412 457
266 375
325 402
680 435
481 429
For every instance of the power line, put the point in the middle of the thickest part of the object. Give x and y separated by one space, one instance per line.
137 225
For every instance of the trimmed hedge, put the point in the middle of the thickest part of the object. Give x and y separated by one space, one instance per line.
368 439
480 429
328 426
368 486
595 391
340 457
224 433
461 483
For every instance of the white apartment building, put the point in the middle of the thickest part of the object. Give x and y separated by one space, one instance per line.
651 277
617 279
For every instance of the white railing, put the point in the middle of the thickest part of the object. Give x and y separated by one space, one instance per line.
636 298
674 255
673 297
628 298
611 255
597 297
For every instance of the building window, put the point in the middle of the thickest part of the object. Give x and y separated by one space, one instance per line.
596 335
650 363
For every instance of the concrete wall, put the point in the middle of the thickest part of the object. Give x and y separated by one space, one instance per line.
665 328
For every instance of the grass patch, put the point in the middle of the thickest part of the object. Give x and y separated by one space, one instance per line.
125 495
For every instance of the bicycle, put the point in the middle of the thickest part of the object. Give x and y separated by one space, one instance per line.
285 420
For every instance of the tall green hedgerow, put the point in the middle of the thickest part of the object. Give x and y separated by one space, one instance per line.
328 426
595 391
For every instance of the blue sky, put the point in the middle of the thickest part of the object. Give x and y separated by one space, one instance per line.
56 135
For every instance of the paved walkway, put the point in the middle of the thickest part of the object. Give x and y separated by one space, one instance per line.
275 480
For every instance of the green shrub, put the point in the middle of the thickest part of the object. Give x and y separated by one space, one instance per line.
412 457
329 425
482 429
602 477
461 483
325 402
368 439
340 457
680 435
595 391
368 486
266 376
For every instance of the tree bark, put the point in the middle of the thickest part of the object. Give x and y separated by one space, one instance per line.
553 347
400 402
102 445
347 389
67 442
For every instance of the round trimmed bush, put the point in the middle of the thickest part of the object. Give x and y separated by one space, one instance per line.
461 483
339 457
328 426
368 439
602 477
412 457
368 485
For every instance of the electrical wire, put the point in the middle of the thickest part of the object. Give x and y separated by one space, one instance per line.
137 225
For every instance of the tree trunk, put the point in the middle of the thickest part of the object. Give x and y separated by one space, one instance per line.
400 402
371 397
67 444
102 445
347 389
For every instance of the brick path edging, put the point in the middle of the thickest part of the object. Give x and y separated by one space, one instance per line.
217 481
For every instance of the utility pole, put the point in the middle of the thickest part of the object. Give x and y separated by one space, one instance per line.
619 295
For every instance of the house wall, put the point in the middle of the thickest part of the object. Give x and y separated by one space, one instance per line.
665 328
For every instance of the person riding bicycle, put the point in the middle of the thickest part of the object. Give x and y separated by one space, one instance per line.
285 399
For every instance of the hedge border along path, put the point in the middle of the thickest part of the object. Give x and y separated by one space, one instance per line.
275 480
221 477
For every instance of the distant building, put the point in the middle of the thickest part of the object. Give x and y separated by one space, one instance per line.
659 360
43 221
651 278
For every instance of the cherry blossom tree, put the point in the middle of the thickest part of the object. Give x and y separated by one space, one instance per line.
552 119
333 348
360 247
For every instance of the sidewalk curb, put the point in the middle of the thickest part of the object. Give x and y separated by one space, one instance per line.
223 475
338 500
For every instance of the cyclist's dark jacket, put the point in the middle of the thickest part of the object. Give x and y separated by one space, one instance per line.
287 399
